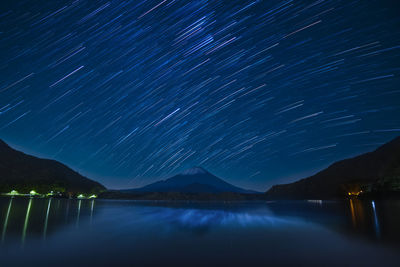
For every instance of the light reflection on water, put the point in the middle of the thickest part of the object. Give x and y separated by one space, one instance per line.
47 218
71 224
376 221
79 212
28 211
204 218
23 209
3 233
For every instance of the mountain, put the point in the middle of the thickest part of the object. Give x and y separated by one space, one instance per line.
376 172
23 173
194 180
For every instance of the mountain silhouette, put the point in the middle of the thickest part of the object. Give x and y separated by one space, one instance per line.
193 180
374 172
22 172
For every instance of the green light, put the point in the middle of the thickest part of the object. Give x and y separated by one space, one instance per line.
33 193
81 196
13 193
93 196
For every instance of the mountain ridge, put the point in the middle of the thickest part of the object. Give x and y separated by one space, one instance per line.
23 172
371 172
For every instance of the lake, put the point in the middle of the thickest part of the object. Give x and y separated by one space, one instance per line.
64 232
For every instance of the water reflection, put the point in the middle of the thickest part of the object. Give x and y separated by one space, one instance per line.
83 232
28 211
377 230
3 233
364 217
47 219
91 210
79 212
33 218
202 221
357 213
37 218
372 220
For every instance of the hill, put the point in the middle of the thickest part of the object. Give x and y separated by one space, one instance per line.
23 173
373 173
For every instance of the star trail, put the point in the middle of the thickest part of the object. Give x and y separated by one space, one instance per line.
257 92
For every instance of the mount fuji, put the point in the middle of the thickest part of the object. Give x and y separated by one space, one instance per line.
193 180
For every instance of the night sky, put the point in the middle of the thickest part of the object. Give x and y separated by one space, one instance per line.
257 92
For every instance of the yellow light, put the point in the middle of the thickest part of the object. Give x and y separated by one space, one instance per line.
354 193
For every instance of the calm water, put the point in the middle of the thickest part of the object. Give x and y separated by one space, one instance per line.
64 232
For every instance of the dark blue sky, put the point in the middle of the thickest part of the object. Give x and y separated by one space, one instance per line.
257 92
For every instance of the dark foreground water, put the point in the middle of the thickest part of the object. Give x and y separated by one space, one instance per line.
60 232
